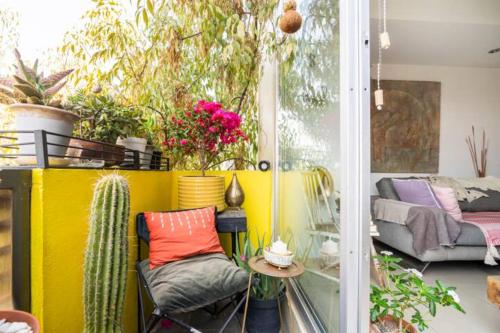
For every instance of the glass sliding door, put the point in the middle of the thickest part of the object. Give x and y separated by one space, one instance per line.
320 123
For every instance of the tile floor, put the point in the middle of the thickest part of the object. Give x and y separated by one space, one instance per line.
468 277
203 321
470 280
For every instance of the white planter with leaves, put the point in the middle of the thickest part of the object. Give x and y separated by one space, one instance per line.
31 117
31 95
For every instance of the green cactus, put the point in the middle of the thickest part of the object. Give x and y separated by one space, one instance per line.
106 257
28 86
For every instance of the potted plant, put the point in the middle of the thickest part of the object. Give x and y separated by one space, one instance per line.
263 312
30 95
102 120
404 294
203 133
152 155
133 135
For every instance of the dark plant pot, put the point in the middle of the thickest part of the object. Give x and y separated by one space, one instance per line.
93 150
263 315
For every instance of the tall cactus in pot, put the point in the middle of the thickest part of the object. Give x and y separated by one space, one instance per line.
106 257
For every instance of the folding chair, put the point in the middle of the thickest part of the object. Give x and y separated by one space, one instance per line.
158 313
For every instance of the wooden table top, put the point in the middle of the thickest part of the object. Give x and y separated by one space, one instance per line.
260 265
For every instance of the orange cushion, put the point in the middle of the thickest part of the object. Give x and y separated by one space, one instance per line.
181 234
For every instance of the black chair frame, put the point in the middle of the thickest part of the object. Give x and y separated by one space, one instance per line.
158 314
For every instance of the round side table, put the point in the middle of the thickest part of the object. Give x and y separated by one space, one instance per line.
260 265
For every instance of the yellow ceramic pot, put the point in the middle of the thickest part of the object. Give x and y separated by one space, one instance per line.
197 191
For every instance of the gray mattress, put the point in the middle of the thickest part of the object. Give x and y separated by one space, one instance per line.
471 244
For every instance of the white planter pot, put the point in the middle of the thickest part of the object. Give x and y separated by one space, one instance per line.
31 117
147 157
133 143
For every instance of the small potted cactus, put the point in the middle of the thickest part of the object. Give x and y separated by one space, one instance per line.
30 95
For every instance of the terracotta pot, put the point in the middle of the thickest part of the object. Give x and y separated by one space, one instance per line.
111 154
409 327
21 316
31 117
197 192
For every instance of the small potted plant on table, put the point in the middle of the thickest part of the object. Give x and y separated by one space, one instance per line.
34 108
404 294
263 309
203 133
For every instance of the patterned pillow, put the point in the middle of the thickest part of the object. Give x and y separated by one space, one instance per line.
416 191
181 234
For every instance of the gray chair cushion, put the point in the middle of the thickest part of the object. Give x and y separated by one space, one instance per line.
491 203
386 189
193 283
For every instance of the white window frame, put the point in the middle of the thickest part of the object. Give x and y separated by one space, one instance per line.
355 172
355 165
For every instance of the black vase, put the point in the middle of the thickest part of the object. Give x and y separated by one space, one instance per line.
263 315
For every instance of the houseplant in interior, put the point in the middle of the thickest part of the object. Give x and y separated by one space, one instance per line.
34 107
203 134
263 311
106 256
403 296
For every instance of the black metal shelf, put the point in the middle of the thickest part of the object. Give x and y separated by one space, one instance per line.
42 149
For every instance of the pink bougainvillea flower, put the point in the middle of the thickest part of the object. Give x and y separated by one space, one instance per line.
218 115
207 127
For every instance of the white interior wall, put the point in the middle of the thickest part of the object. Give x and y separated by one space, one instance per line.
469 96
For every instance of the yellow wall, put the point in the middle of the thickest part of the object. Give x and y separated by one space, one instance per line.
60 207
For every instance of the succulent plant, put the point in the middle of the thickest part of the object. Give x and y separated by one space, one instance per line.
106 257
29 86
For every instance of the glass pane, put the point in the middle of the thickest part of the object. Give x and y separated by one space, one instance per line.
309 156
6 249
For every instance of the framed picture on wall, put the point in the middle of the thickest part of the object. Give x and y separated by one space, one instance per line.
405 133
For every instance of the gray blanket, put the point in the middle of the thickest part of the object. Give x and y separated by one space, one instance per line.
431 228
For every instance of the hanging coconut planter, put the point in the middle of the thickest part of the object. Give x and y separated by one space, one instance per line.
291 21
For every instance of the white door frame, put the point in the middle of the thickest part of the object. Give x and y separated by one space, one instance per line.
355 165
355 168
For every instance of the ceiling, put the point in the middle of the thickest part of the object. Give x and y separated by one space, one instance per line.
440 32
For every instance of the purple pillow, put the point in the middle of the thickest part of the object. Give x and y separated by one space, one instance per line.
416 191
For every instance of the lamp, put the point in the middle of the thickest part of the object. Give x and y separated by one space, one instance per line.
384 42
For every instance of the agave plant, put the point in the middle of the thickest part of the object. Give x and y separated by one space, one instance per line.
29 86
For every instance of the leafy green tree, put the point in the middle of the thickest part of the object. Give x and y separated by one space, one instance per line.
164 55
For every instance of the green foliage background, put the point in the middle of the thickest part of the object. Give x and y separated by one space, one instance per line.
169 54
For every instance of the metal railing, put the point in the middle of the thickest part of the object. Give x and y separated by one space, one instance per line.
42 149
